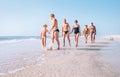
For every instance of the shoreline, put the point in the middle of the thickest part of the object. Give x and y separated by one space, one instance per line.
87 60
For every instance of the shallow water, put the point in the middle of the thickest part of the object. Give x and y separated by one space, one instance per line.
15 56
112 55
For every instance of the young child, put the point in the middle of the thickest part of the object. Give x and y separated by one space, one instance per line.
43 35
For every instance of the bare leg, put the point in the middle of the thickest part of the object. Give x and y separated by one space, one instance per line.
75 39
91 37
77 36
64 40
86 38
52 39
56 34
68 37
94 38
45 42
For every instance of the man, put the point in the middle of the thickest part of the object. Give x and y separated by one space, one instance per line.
54 27
92 29
65 32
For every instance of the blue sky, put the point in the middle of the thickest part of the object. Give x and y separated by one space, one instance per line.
26 17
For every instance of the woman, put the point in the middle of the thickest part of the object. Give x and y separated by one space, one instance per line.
76 29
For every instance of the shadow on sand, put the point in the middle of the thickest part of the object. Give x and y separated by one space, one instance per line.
89 49
102 42
96 46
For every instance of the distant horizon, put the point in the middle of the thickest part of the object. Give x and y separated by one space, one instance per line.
60 35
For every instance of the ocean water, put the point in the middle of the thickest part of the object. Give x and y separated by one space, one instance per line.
112 53
16 38
14 44
18 50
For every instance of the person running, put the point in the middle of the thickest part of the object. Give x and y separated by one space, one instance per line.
76 29
54 28
92 29
65 32
86 32
43 35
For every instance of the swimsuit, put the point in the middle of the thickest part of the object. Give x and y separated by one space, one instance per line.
93 32
56 30
43 36
76 30
85 31
66 32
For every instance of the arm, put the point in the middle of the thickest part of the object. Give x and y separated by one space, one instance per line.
47 31
53 25
69 27
83 31
40 35
95 30
72 30
79 29
88 31
62 30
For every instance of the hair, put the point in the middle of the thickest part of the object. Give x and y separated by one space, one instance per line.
86 25
76 21
65 19
52 15
91 22
44 25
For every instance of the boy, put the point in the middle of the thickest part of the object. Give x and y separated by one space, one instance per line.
43 35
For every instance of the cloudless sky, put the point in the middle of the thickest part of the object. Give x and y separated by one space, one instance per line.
26 17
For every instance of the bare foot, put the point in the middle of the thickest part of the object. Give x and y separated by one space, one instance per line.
76 45
50 48
58 48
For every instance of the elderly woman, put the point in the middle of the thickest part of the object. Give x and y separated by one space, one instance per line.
76 29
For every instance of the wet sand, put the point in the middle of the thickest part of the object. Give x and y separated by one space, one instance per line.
85 61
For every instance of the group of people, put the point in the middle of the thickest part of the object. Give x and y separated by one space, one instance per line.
66 31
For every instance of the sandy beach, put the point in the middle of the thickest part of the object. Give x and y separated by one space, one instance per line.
84 61
59 38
